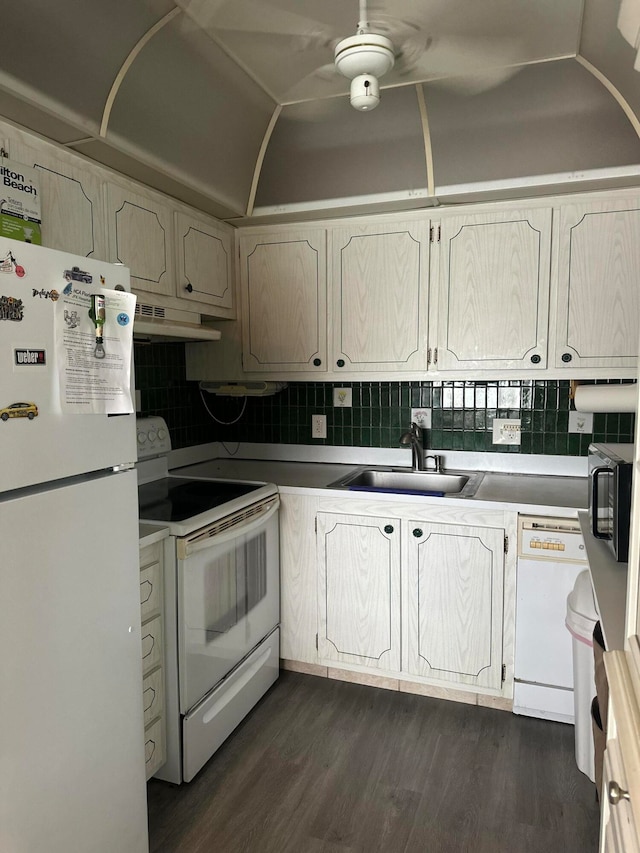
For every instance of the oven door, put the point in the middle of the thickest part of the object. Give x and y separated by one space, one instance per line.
228 596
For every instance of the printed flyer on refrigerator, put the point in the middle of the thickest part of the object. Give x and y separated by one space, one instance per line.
94 343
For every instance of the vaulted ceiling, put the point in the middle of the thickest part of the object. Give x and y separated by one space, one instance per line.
234 105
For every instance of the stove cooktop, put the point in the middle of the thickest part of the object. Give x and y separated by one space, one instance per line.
174 499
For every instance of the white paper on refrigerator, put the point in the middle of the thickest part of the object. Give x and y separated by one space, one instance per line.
94 355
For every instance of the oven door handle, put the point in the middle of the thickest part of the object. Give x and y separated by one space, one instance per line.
595 474
186 547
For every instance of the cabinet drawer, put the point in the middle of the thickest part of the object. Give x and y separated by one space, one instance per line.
153 695
150 591
150 554
151 644
154 756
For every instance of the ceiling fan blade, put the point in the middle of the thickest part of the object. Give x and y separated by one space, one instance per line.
474 84
320 110
455 56
323 82
252 16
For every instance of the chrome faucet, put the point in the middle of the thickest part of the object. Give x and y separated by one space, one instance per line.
412 437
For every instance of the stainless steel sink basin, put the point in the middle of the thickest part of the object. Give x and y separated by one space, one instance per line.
406 481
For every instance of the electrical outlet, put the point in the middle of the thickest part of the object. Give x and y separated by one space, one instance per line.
422 417
342 397
318 426
506 431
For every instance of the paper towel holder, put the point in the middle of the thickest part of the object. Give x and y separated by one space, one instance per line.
573 384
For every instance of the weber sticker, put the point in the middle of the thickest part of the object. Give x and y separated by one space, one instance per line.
30 357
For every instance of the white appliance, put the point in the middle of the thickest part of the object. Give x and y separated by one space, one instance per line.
551 555
72 770
222 598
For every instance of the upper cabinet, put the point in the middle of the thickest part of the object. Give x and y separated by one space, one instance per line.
140 229
204 250
283 278
494 290
598 300
70 198
380 300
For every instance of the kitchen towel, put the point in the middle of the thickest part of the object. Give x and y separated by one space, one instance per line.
606 398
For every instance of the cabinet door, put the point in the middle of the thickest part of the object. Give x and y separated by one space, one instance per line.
598 302
621 773
204 260
494 291
284 294
140 238
359 590
70 199
298 578
454 602
379 282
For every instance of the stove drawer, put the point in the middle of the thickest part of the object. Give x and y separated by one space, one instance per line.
211 722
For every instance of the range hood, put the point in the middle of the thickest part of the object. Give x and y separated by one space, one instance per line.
157 323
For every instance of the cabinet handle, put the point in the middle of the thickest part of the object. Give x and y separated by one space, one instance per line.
317 362
189 288
535 359
417 532
388 528
567 357
340 362
616 793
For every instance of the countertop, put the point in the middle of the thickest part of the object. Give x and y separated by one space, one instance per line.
148 534
522 492
609 578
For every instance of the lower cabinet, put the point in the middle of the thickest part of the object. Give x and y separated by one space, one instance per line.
454 596
620 800
151 598
413 597
359 590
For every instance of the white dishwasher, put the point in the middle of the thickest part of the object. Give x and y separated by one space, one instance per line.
551 555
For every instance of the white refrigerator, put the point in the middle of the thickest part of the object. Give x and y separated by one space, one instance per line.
72 770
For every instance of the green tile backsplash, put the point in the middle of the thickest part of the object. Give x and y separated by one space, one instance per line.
462 412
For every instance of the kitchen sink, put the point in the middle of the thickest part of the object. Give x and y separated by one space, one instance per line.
407 481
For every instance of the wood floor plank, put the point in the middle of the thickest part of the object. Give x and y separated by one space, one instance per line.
324 766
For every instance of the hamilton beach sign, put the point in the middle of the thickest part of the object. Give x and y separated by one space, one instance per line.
20 213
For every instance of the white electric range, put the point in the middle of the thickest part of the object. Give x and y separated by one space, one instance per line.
221 598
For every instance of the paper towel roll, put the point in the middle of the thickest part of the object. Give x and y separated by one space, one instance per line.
606 398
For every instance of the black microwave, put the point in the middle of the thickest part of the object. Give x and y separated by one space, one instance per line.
610 470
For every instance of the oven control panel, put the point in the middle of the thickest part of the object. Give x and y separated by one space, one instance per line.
153 437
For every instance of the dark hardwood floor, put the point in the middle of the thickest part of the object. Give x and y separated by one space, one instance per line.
327 766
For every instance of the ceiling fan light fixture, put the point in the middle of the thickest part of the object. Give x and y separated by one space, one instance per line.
365 92
365 53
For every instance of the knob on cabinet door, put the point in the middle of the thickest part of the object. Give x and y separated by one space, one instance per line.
535 359
189 288
388 528
567 357
616 793
317 362
417 532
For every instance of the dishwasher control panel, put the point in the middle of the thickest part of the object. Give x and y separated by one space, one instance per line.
550 539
